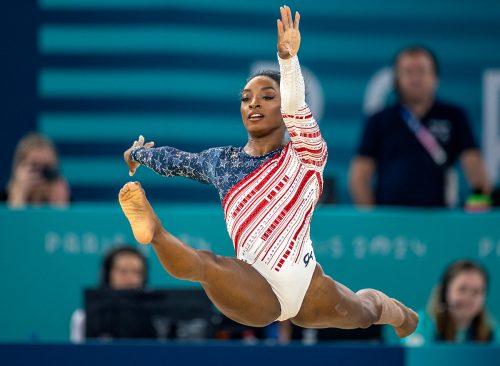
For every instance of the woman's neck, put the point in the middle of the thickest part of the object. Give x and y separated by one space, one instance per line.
258 146
462 323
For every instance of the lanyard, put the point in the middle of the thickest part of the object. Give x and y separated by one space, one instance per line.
425 137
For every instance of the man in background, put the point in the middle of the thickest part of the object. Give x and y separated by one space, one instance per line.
410 146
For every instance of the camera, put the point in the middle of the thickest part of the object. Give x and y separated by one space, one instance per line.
50 173
47 172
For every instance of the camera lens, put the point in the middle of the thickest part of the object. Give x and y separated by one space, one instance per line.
50 173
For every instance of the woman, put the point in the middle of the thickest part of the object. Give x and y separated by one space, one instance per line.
457 308
269 189
36 178
123 268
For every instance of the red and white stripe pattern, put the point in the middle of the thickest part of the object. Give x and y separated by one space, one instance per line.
268 213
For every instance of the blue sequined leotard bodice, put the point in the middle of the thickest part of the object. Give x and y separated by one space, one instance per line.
222 167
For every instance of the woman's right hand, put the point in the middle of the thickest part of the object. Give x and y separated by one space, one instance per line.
133 165
26 180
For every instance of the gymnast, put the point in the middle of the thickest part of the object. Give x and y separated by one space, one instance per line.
269 189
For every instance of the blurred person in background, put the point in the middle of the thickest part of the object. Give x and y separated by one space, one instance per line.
36 178
410 146
123 268
457 311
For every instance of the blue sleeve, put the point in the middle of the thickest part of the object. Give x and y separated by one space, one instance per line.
369 144
169 161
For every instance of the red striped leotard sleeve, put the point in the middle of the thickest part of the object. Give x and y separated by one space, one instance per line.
304 132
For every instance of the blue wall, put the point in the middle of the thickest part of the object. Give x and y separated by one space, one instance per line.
94 74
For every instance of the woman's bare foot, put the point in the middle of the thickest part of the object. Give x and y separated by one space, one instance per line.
409 324
139 212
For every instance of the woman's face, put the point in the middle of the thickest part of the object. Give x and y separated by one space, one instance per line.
261 107
466 294
127 272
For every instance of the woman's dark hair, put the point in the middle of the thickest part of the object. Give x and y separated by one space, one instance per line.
273 74
479 330
109 259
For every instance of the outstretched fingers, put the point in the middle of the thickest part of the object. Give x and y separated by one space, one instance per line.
140 143
286 15
289 16
296 21
281 29
288 21
288 33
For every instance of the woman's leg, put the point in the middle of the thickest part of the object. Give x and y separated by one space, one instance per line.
236 288
330 304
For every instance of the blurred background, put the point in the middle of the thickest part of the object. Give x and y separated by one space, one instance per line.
92 75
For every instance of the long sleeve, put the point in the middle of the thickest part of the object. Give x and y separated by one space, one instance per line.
169 161
302 127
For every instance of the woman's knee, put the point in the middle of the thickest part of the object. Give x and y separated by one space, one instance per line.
208 265
352 312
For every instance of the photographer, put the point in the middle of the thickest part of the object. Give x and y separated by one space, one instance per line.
35 178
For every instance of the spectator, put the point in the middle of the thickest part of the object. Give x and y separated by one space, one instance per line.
456 311
411 145
36 178
123 268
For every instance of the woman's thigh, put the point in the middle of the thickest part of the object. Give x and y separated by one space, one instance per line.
239 291
329 304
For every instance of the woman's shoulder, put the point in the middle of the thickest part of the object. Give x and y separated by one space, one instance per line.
493 323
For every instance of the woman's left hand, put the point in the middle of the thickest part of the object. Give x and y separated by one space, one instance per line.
133 165
288 33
